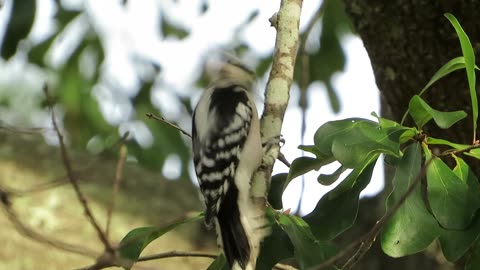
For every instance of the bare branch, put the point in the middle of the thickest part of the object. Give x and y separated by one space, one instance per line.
116 185
161 119
174 253
31 131
283 159
277 92
281 266
73 178
107 260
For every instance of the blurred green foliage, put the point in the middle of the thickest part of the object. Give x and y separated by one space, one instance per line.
73 86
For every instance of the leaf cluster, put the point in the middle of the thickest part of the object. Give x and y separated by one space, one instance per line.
445 211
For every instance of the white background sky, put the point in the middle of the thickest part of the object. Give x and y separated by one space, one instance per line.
134 31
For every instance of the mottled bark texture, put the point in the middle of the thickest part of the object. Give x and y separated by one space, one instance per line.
407 42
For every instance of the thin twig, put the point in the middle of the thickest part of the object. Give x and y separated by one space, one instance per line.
459 151
161 119
174 253
17 130
107 260
116 185
73 179
282 266
281 157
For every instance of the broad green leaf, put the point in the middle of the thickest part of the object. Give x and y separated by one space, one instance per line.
456 146
350 141
314 150
384 122
302 165
137 239
474 153
473 259
307 249
328 179
452 201
337 210
452 65
275 248
455 243
351 148
463 171
324 136
469 56
18 27
422 113
220 263
412 228
277 186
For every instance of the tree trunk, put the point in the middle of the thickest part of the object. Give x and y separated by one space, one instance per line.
407 42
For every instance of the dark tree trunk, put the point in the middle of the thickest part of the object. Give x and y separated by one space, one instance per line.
407 42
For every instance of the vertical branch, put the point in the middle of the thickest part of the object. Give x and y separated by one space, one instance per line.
277 93
116 185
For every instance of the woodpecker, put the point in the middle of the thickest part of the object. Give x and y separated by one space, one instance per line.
227 150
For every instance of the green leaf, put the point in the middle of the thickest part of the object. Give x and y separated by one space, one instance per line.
452 201
384 122
277 185
324 136
412 228
474 153
301 166
473 259
451 66
19 25
313 149
337 210
220 263
469 56
455 243
308 250
456 146
328 179
463 171
350 141
275 248
422 113
137 239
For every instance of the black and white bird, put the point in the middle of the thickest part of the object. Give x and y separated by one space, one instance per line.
227 150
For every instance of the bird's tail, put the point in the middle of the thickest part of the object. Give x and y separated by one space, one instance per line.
239 234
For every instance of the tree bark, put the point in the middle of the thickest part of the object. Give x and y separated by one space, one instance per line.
407 42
